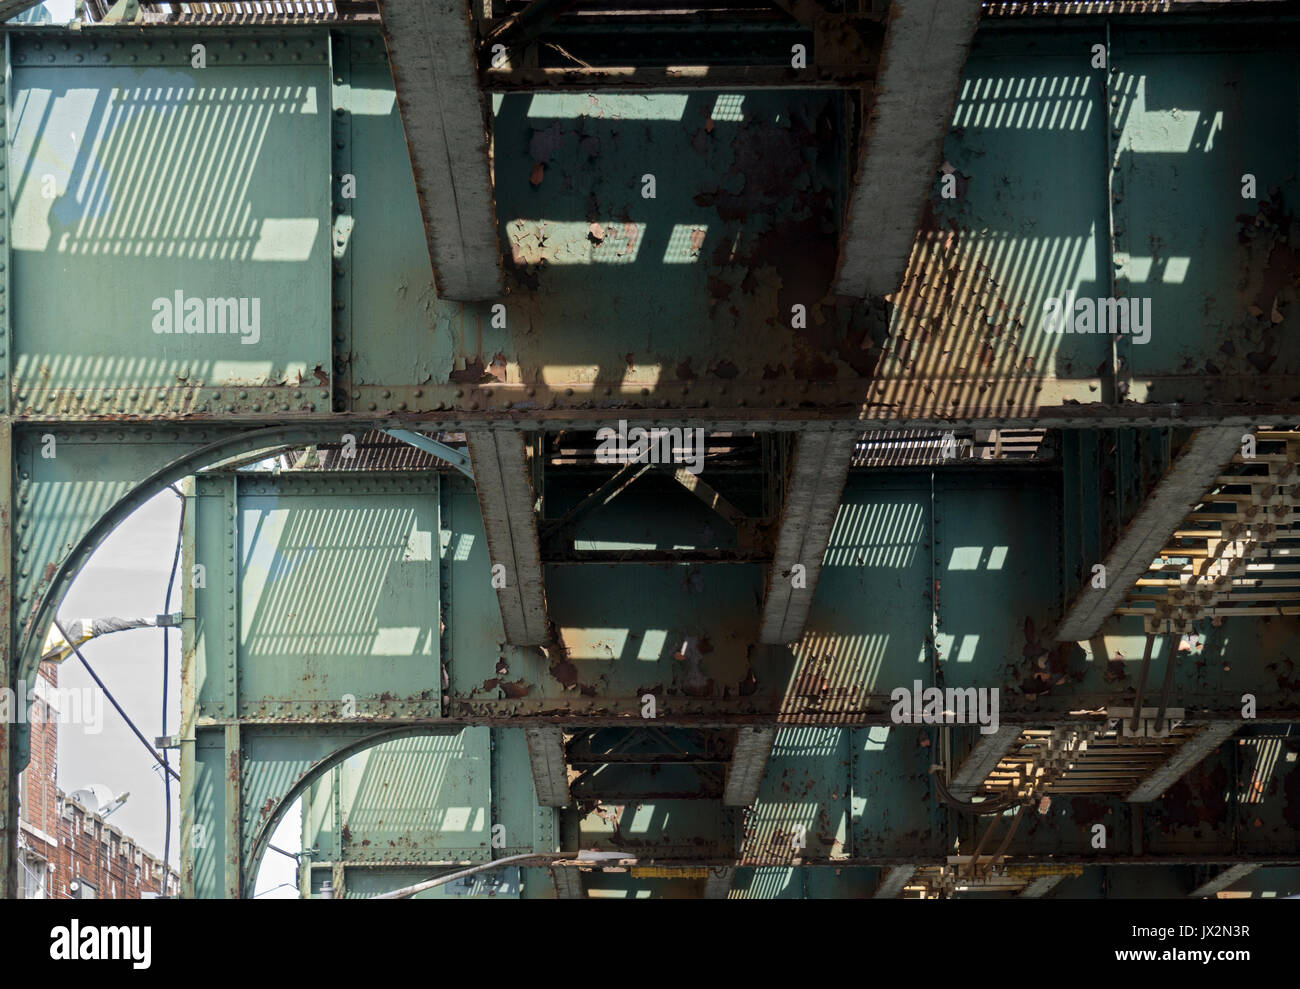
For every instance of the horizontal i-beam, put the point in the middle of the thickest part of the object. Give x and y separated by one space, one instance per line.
718 883
748 763
1183 487
546 756
926 42
505 495
568 883
1191 753
1040 887
431 49
892 883
988 752
1230 875
812 497
12 8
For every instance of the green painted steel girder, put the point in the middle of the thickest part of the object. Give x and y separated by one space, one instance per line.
326 301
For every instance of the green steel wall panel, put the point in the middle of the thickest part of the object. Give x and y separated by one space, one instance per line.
414 800
803 803
429 799
998 579
338 589
1195 119
868 630
155 180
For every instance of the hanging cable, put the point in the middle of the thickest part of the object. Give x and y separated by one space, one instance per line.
167 607
113 700
994 805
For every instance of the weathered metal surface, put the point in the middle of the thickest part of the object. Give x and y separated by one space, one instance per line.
546 759
15 7
1206 741
981 760
59 535
996 539
1217 664
815 484
671 79
929 575
835 793
10 759
748 763
239 784
1222 880
503 479
423 800
893 881
198 225
1267 882
1221 277
660 829
908 114
965 340
322 590
430 45
568 884
718 884
1201 460
1041 887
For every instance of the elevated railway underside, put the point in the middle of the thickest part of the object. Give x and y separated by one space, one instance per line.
817 448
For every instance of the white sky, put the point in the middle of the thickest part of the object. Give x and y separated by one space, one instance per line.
127 578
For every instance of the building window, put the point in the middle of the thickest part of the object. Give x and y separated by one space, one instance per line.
82 890
33 877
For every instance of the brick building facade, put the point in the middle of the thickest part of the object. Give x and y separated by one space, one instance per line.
66 850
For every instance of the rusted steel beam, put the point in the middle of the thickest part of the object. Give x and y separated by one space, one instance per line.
655 557
12 8
1174 496
748 762
431 47
1223 880
925 48
718 884
1191 754
505 494
519 29
816 481
671 78
568 883
608 490
706 493
546 757
982 760
1040 887
892 883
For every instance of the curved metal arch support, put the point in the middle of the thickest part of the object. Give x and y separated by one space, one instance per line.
238 783
69 496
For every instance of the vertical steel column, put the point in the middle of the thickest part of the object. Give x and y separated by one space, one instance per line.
234 848
189 702
6 334
8 666
9 662
341 238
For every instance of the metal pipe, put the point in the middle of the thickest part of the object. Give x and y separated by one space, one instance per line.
451 877
540 858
